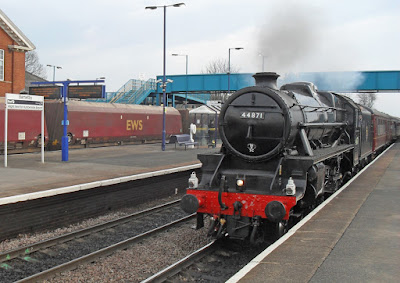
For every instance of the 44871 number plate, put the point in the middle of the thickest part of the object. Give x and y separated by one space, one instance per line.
252 115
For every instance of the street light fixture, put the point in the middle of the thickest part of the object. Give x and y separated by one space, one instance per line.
102 79
229 66
187 58
164 81
263 57
54 70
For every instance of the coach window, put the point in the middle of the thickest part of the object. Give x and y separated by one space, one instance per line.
1 65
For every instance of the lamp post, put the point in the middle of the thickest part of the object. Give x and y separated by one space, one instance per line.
187 58
100 78
263 57
164 81
54 70
229 67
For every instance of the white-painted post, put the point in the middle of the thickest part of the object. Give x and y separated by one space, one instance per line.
42 136
5 135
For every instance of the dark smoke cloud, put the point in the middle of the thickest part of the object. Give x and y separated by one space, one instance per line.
289 35
294 40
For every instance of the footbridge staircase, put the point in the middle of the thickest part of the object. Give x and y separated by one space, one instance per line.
133 92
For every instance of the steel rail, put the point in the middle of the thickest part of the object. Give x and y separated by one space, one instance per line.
177 267
8 255
102 252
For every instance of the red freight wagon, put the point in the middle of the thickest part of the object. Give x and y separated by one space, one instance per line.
24 129
105 123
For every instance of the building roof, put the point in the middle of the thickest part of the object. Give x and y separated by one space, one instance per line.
15 33
206 109
29 78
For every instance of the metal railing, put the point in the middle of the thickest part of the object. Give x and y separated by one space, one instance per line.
140 94
134 91
129 86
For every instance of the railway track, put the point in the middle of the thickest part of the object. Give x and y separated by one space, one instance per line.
47 258
179 266
215 262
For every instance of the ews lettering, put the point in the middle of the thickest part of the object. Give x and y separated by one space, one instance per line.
133 125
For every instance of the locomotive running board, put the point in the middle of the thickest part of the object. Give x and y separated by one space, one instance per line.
323 154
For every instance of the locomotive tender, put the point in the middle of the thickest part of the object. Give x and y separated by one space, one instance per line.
282 152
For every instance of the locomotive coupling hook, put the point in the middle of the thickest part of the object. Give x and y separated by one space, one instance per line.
237 207
221 187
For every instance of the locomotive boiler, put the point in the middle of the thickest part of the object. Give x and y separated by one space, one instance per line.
282 151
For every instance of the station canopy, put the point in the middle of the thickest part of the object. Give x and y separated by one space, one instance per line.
210 108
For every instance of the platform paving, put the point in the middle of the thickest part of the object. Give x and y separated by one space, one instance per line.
355 238
26 174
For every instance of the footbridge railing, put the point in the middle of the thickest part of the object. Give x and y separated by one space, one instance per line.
126 90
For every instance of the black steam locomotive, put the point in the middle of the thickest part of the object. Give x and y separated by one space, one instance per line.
283 151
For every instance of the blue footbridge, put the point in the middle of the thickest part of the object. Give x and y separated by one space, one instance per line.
198 88
133 92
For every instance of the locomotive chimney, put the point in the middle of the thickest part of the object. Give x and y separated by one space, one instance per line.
266 79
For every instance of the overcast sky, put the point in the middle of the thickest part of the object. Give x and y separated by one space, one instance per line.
120 40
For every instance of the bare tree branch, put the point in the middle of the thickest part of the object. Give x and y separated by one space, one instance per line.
33 65
219 66
367 99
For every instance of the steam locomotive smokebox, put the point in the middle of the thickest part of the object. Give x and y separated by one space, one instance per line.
266 79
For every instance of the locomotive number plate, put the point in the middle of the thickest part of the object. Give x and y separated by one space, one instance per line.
252 115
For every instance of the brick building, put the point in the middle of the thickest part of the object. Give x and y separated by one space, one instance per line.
13 45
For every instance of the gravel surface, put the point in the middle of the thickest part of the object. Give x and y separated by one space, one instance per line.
132 265
27 239
229 257
142 260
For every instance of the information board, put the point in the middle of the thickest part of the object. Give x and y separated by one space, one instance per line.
80 91
48 92
85 91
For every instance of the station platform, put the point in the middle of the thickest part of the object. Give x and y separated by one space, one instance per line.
355 237
27 178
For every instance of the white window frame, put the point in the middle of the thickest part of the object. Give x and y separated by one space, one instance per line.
1 65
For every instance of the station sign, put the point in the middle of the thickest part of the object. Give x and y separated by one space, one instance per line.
48 92
24 102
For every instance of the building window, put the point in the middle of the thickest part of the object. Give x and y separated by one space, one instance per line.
1 65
